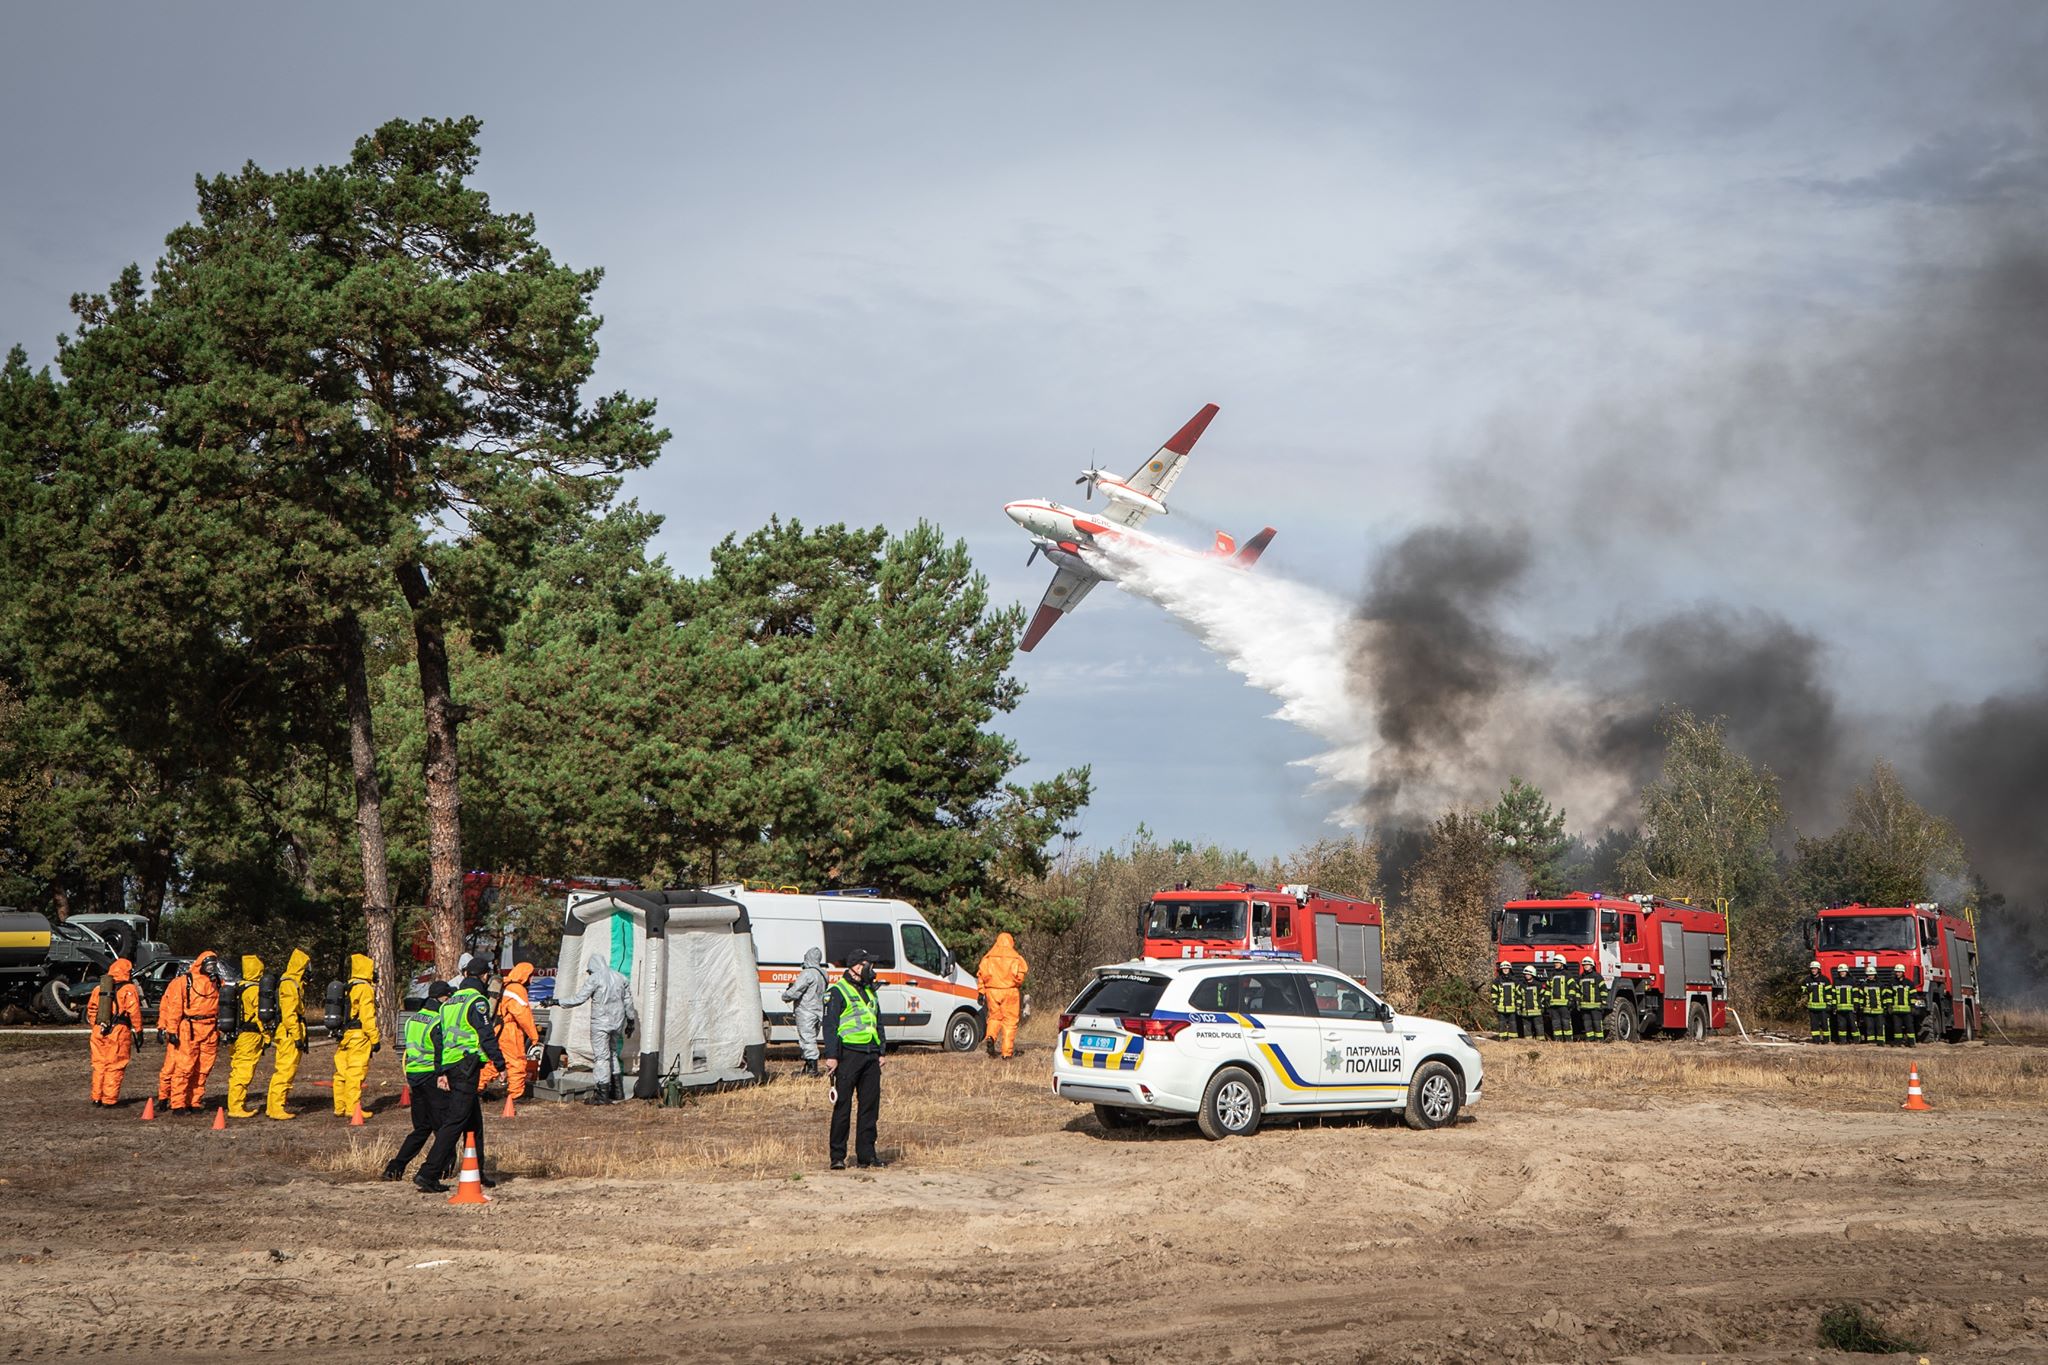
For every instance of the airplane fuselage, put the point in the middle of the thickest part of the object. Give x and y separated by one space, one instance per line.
1062 532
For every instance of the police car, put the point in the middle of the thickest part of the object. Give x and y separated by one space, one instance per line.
1231 1042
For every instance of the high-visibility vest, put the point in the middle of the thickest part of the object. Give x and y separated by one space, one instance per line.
858 1023
1902 999
1589 992
459 1040
1558 993
1532 997
423 1043
1503 997
1816 993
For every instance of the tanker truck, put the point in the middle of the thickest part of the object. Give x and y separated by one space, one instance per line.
46 969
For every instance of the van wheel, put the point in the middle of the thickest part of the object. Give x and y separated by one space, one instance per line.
1621 1021
1433 1097
1696 1023
55 1000
1115 1117
963 1032
1230 1106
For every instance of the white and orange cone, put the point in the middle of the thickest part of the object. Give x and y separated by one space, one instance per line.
469 1189
1915 1101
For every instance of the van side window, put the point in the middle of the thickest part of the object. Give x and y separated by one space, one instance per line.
843 936
922 951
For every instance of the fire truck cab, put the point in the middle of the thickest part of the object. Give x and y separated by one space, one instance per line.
1238 919
1921 945
1665 963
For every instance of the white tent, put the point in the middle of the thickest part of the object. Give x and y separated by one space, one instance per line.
696 988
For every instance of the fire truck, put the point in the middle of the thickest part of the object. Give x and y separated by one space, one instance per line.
1664 962
1922 945
1238 919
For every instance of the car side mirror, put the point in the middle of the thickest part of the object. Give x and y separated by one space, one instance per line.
1385 1013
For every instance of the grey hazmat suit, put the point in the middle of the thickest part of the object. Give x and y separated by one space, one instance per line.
610 997
807 992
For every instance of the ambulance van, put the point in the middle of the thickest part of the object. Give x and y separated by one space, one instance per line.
924 993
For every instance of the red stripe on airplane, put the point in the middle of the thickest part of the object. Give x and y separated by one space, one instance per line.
1184 440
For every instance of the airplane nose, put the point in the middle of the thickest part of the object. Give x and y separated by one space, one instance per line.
1017 512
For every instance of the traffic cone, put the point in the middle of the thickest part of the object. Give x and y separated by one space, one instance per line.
355 1118
405 1095
1915 1101
469 1189
149 1109
220 1118
510 1112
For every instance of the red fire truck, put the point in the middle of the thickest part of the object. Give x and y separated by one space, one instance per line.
1238 919
1665 963
1922 945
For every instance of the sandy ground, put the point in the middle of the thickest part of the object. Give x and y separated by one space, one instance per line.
1654 1218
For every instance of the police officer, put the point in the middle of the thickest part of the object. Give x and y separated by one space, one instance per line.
1842 1016
423 1074
1591 993
1508 1018
1557 999
1816 992
854 1046
1872 1004
1529 998
466 1039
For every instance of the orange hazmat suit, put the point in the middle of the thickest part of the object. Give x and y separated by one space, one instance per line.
114 1024
193 1022
291 1033
249 1041
516 1033
1001 975
358 1035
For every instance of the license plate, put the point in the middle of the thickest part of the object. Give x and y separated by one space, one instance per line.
1098 1042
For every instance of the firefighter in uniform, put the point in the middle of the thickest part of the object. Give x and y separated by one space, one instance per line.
1507 1016
854 1046
1557 1000
1847 1028
1904 1034
1592 1002
1816 992
1530 1003
1873 1006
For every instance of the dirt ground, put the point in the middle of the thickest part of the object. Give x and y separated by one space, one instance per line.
1660 1201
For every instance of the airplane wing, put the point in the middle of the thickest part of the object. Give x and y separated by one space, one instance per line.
1157 475
1062 595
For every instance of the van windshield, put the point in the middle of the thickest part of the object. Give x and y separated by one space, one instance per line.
1196 919
1567 925
1867 933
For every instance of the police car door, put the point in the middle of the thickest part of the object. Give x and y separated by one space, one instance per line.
1362 1059
1284 1035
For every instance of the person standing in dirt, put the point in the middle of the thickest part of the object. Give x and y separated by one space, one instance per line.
1507 1019
1589 998
1530 1001
466 1040
1557 1000
188 1019
1001 976
1903 1031
290 1039
1842 1009
516 1031
1815 992
610 997
806 995
1871 1002
424 1076
855 1044
114 1016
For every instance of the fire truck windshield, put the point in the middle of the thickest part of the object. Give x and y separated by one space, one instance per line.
1570 926
1196 919
1866 933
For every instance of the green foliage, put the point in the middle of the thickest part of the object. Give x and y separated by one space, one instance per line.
1531 836
1890 852
1707 821
1441 934
1852 1327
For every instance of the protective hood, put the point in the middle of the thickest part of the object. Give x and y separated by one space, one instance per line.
359 967
520 974
814 957
601 973
295 966
122 969
197 971
252 966
1005 945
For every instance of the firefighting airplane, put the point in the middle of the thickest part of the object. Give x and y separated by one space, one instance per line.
1061 533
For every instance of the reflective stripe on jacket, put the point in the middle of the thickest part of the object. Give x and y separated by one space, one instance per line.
857 1016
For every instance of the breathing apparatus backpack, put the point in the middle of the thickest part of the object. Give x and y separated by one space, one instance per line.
337 1007
268 1012
108 991
229 1013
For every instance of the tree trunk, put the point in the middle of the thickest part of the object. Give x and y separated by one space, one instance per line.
444 795
153 879
60 898
362 751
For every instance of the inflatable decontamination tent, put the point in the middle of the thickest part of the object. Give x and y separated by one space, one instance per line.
689 956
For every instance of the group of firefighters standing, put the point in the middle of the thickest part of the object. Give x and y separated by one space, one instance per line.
1842 1009
1561 1007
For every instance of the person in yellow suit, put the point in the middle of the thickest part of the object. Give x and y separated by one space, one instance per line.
359 1040
1001 975
251 1037
516 1033
291 1033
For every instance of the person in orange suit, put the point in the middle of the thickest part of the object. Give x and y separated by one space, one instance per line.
516 1033
191 1019
114 1014
1001 975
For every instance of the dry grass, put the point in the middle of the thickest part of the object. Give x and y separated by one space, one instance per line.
2018 1023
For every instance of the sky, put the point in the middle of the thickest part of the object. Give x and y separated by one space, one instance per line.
1637 290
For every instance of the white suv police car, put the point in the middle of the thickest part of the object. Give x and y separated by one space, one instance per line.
1231 1041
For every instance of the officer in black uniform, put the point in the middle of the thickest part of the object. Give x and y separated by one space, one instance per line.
854 1046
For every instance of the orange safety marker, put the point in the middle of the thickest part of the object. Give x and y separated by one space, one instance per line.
220 1118
510 1112
1915 1101
405 1095
470 1188
149 1109
355 1118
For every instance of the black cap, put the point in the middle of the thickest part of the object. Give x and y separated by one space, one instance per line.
440 990
857 957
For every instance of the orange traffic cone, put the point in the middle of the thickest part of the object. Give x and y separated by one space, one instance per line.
355 1118
405 1095
149 1109
510 1112
220 1118
470 1188
1915 1101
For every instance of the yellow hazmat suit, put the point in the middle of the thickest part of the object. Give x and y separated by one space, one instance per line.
249 1043
358 1035
291 1033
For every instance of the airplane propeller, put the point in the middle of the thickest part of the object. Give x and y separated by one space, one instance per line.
1035 548
1090 477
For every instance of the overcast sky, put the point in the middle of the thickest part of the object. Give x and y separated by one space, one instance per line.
885 262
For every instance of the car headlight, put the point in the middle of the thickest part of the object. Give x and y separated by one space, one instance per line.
1469 1041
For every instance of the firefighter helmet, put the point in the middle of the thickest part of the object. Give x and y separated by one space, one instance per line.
1585 962
1814 965
1870 969
1529 970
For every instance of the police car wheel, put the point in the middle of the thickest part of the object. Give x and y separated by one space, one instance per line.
1433 1097
1230 1106
963 1032
1116 1117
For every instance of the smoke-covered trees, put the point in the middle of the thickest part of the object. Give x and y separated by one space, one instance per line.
1531 836
1890 851
1439 936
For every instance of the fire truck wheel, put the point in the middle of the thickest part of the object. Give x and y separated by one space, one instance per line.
1433 1097
1230 1106
1116 1118
1621 1021
1969 1028
1696 1022
963 1032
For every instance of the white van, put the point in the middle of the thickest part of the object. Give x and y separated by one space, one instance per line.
925 995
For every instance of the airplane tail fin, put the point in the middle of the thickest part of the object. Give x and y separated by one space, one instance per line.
1253 548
